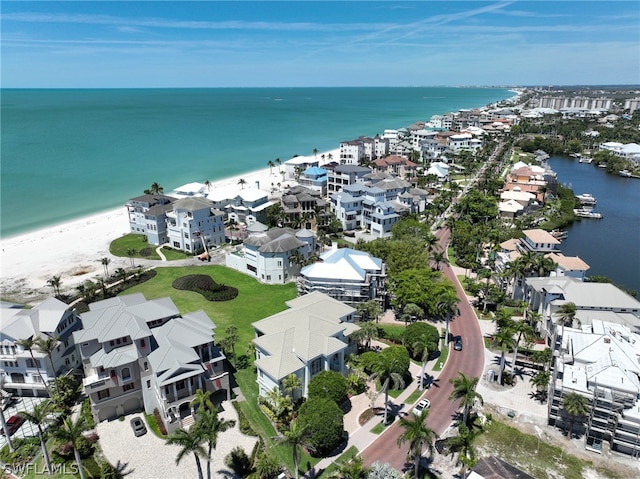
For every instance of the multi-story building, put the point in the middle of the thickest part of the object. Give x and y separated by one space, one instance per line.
273 256
313 335
28 372
344 175
148 216
143 354
348 275
193 224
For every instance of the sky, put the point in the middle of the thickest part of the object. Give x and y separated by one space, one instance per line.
122 44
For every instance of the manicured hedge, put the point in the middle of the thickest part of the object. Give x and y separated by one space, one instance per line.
206 286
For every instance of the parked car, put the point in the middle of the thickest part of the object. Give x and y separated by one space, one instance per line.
457 343
13 424
139 429
421 406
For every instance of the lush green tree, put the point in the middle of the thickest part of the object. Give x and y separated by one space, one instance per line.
464 390
295 437
291 383
423 287
576 406
369 310
71 432
422 340
189 442
411 312
462 445
368 331
328 384
325 419
267 466
40 416
419 436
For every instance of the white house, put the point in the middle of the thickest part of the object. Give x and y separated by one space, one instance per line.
143 354
345 274
148 216
194 223
313 335
25 372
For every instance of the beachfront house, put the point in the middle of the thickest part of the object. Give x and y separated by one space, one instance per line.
395 165
314 178
141 354
345 274
273 256
148 216
304 207
194 224
539 241
26 372
294 167
344 175
314 334
244 206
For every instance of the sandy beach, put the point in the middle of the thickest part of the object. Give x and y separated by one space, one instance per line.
73 250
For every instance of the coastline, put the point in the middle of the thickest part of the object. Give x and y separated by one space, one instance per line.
73 249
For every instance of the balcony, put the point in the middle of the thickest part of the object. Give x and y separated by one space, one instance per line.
97 383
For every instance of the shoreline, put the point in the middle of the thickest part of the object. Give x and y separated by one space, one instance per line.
73 249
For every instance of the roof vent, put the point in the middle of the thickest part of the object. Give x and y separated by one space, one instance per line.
607 340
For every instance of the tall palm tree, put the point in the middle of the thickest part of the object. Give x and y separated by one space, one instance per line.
504 341
105 263
208 427
385 370
575 405
231 335
423 346
242 182
566 314
418 435
464 389
156 189
121 274
47 345
315 152
438 258
39 416
294 437
202 401
207 183
523 331
131 253
29 344
189 443
270 164
291 383
540 381
71 432
368 332
55 283
3 422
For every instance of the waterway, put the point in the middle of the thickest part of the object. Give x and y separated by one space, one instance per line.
611 245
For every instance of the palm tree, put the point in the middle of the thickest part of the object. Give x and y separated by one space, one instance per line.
354 468
55 283
291 383
156 189
368 332
267 466
189 443
105 262
439 258
40 416
295 437
523 330
232 337
28 344
503 340
202 400
542 357
315 152
242 182
3 422
385 370
575 405
232 225
121 274
566 314
208 427
329 157
270 164
423 346
412 312
462 444
131 254
540 381
71 432
207 183
416 432
464 388
47 345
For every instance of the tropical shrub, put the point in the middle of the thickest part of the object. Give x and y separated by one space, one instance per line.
238 461
324 418
329 384
206 286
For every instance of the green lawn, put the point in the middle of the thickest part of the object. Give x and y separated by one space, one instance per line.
121 247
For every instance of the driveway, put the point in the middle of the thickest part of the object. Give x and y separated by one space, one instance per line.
149 457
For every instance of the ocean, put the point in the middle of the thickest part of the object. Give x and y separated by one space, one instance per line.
72 153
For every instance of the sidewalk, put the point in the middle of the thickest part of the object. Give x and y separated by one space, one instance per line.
361 436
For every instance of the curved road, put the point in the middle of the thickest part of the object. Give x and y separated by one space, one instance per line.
469 361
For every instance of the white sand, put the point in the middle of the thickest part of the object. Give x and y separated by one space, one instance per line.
73 250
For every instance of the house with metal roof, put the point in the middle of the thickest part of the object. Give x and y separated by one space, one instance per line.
345 274
194 224
27 372
141 354
148 216
313 335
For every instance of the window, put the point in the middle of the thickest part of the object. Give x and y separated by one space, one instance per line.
126 374
104 394
279 263
142 343
316 366
33 364
128 387
146 366
148 384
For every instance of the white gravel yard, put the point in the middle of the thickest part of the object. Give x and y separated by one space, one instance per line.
148 457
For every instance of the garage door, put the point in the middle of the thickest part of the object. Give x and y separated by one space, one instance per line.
132 405
107 413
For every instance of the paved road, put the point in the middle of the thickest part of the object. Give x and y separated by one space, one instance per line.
470 361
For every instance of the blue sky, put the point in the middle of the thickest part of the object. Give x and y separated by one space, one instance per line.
303 43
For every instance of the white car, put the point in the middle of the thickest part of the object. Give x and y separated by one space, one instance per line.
421 406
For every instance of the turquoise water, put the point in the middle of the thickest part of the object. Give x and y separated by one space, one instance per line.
72 153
